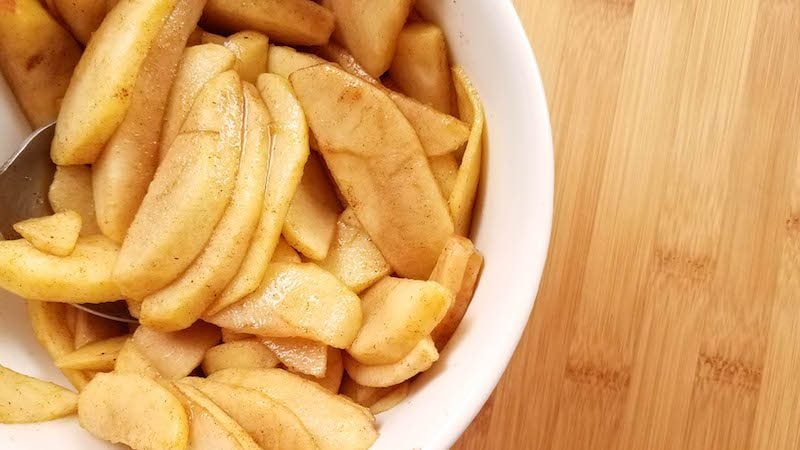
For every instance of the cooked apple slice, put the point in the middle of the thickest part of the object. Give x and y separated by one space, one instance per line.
334 422
82 17
289 154
457 269
49 323
297 300
251 49
421 67
27 399
285 253
125 168
336 53
199 65
378 400
462 199
369 29
284 61
445 170
293 22
398 314
82 277
189 194
333 372
99 93
183 302
212 38
311 219
56 234
92 328
379 166
71 190
131 360
353 257
37 58
300 355
244 354
418 360
176 354
133 410
272 425
98 356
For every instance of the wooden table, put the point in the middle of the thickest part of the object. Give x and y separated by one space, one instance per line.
669 313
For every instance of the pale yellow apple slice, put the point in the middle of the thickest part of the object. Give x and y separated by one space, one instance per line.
176 354
182 302
71 190
26 399
251 49
248 353
98 356
99 93
333 372
418 360
445 170
56 234
379 166
285 253
300 355
49 324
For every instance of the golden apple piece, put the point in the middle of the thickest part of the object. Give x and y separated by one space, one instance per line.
82 17
285 253
212 38
379 166
99 93
182 302
49 323
292 22
243 354
311 219
398 313
189 194
457 269
175 355
369 29
284 61
300 355
133 410
271 424
353 257
297 300
71 190
98 356
198 65
378 400
55 235
334 421
27 400
421 67
125 168
333 372
37 58
462 199
90 328
288 156
251 49
82 277
390 400
445 170
439 133
131 360
418 360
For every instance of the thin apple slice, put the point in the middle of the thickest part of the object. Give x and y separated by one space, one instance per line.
26 399
175 355
300 355
251 50
418 360
379 166
49 323
333 372
243 354
285 253
97 356
445 170
56 234
71 190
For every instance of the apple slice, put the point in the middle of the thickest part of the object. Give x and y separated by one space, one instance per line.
251 49
243 354
300 355
418 360
71 190
98 356
56 234
27 399
175 355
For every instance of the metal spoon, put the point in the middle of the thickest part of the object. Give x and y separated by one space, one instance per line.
24 182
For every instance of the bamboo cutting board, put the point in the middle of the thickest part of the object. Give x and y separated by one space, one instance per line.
669 314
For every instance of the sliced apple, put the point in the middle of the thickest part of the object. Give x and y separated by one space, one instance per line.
82 277
212 38
133 410
99 93
125 168
92 328
311 219
243 354
333 372
398 314
49 323
98 356
56 234
251 49
271 424
289 154
445 170
183 302
300 355
37 58
297 300
353 257
293 22
284 61
176 355
82 17
189 194
71 190
27 399
418 360
285 253
334 421
198 65
379 166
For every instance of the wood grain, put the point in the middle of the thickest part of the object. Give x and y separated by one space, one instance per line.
669 312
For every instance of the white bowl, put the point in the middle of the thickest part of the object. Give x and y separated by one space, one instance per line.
512 229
